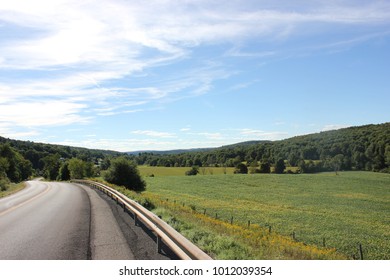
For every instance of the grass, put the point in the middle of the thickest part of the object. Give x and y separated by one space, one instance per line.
158 171
346 210
12 188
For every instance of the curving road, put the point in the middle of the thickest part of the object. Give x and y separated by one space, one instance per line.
51 220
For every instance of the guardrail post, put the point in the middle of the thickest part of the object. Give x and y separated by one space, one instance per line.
135 219
159 244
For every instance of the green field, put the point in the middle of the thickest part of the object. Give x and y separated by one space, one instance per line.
158 171
346 210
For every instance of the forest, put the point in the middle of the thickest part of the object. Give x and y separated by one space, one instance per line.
364 148
356 148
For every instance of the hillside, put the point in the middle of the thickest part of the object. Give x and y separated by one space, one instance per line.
355 148
35 152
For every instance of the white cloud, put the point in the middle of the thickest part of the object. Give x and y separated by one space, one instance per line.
152 133
46 113
334 127
66 62
254 134
208 135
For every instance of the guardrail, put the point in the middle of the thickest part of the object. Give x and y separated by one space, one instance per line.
181 246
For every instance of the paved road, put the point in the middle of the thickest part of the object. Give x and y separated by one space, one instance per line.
51 220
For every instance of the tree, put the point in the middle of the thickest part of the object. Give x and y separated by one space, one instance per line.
265 167
13 165
89 169
51 166
241 168
280 166
64 173
337 162
123 172
4 165
76 168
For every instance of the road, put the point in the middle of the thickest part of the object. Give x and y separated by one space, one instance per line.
63 221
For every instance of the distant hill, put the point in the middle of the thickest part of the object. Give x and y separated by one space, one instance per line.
355 148
169 152
182 151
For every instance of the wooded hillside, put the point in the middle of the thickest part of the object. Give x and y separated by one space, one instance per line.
355 148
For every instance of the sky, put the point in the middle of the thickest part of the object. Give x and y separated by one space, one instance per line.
161 75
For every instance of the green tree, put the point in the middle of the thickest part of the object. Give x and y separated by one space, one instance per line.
51 167
76 168
64 173
387 155
123 172
4 165
241 168
280 166
13 165
89 169
337 162
265 167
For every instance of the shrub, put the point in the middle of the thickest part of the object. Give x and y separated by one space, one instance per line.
193 171
123 172
4 183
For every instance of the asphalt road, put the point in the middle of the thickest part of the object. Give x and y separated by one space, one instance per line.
63 221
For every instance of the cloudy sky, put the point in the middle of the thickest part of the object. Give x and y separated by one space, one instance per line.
136 75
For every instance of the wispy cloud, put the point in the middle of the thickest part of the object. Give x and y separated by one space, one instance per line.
333 127
152 133
69 62
254 134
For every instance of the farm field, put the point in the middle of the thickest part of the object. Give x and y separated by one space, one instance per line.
341 211
147 171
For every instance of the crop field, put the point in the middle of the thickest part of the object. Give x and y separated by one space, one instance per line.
325 210
148 171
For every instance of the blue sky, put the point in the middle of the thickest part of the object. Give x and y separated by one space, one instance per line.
160 75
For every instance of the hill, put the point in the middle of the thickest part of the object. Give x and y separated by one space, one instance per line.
35 152
182 151
355 148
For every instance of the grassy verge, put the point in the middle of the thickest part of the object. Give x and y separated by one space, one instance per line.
12 188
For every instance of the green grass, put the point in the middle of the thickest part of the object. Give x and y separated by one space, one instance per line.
347 210
158 171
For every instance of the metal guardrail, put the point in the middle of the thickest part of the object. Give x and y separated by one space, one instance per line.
181 246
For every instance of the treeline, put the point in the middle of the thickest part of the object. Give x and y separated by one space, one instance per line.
20 160
355 148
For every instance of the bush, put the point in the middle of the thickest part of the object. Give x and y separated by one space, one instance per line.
123 172
4 183
193 171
